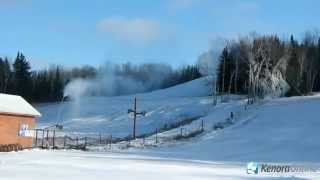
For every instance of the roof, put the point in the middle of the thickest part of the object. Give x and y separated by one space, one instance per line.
12 104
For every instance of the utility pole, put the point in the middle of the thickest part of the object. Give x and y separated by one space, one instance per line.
135 113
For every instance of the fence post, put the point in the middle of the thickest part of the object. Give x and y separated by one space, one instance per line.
53 140
85 142
202 129
181 132
64 141
110 141
106 141
36 143
100 138
47 140
42 143
77 141
156 135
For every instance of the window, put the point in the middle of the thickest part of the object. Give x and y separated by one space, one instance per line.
24 130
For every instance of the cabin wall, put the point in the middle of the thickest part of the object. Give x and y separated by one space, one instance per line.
9 129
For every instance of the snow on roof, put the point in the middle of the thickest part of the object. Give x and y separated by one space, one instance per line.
12 104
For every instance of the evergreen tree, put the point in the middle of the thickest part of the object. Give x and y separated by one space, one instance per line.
57 86
5 75
189 73
317 81
293 69
226 71
22 76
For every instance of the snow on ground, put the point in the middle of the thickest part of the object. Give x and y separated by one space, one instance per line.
66 165
108 115
276 130
281 130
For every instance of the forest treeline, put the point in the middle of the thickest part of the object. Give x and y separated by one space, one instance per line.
47 85
255 65
268 66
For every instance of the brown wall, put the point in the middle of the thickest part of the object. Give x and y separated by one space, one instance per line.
9 129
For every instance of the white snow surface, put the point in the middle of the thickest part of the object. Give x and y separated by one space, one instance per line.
14 104
67 165
283 130
274 130
108 115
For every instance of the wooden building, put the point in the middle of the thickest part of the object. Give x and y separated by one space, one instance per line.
17 121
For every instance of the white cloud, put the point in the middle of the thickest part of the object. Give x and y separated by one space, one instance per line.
137 30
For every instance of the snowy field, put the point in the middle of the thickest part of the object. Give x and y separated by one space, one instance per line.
284 130
53 165
79 165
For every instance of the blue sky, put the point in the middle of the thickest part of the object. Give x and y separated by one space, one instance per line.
78 32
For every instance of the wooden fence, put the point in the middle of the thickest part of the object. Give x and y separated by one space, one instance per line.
50 139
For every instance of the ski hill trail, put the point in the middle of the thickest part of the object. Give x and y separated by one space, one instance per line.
274 130
108 115
281 130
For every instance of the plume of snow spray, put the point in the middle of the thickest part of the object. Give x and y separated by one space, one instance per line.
76 88
110 83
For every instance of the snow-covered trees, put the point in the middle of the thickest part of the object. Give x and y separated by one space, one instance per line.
267 57
266 66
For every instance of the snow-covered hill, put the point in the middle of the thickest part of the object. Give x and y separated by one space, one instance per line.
108 115
282 130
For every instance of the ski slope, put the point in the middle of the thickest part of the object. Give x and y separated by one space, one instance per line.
275 130
280 130
108 115
283 130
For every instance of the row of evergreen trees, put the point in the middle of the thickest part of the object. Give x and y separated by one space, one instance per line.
260 65
37 86
17 78
47 85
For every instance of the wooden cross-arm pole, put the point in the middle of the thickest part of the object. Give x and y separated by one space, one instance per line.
135 113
